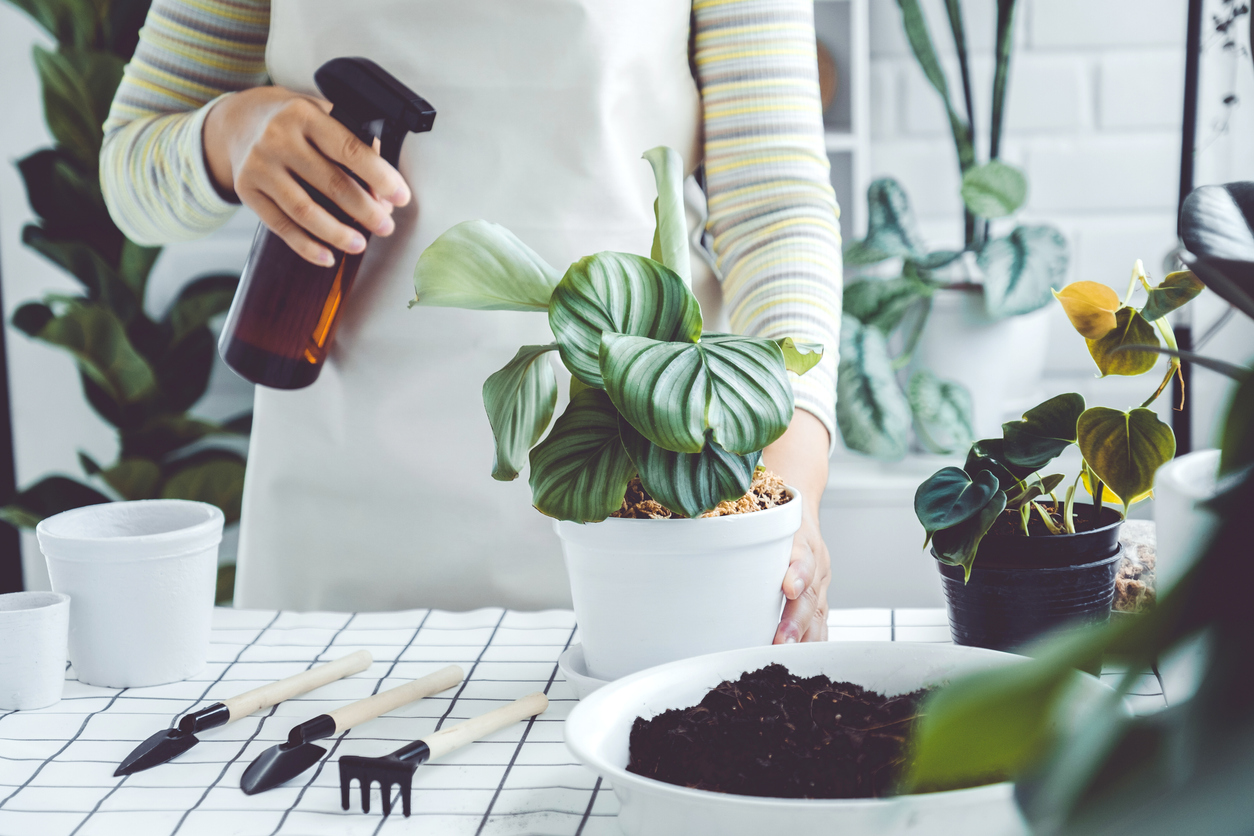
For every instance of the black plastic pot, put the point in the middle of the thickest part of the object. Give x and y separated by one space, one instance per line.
1022 586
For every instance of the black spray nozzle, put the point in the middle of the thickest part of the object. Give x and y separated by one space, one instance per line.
370 102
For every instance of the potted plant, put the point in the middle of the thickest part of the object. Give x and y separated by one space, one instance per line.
1045 560
677 415
967 313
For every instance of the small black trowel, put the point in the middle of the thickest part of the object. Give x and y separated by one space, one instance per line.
170 743
283 762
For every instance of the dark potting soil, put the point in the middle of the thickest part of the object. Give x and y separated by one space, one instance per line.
1009 523
774 734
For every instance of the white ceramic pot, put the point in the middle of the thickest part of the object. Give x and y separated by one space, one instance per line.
141 576
652 591
34 627
1000 362
598 729
1182 526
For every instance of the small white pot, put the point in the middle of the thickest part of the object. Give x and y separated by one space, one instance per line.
34 626
1183 527
1000 362
653 591
142 577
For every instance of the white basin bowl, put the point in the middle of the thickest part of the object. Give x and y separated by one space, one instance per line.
597 733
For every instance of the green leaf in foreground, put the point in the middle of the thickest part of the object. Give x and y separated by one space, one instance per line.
618 293
1176 290
1044 431
958 545
580 472
1131 329
519 399
994 189
482 266
942 412
671 236
871 411
674 392
1125 448
990 454
950 496
688 483
800 357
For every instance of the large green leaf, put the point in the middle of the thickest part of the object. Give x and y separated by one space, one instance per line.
86 264
64 195
78 86
1124 449
959 544
1175 290
580 472
915 25
199 302
882 303
213 476
618 293
871 411
1217 228
950 496
100 345
133 478
49 496
484 267
520 400
1022 270
942 412
67 21
994 189
989 454
135 265
1111 352
688 483
671 236
673 392
183 370
164 433
891 227
1044 431
800 357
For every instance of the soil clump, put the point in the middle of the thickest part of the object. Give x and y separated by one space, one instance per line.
766 491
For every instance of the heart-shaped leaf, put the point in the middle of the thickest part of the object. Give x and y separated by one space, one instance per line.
673 392
580 472
871 411
688 483
618 293
942 412
989 454
1091 308
994 190
1044 431
891 227
670 239
520 400
1108 496
484 267
950 496
958 545
1125 448
882 303
1171 293
800 357
1022 270
1217 228
1131 329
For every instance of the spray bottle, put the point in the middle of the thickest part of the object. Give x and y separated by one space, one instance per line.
284 313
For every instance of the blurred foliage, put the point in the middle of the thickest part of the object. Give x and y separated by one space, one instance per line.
140 374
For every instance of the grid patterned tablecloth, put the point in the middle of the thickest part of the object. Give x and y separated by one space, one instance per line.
56 764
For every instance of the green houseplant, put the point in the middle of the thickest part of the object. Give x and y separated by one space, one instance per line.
1004 275
1000 507
651 396
140 374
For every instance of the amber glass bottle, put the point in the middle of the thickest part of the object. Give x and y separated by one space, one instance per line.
283 317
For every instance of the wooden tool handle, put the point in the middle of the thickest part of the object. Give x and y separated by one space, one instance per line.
446 740
294 686
371 707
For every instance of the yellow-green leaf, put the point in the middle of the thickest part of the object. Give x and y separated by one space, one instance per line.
1124 449
1091 308
671 236
800 357
484 267
1131 329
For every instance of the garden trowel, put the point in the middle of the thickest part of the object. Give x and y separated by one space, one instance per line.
283 762
170 743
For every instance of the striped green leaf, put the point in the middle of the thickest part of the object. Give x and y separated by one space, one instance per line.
520 399
580 472
670 240
618 293
674 392
484 267
872 413
800 357
688 483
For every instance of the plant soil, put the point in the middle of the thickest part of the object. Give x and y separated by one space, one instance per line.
766 491
1009 522
776 735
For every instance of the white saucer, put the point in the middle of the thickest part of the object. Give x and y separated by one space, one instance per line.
572 666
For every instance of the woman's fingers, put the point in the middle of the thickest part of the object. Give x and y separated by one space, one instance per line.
287 229
805 586
345 192
339 144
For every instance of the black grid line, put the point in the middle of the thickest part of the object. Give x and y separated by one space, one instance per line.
587 813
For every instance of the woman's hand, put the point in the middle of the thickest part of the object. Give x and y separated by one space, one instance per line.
800 457
258 141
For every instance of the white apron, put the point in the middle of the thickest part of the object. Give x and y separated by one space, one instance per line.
371 489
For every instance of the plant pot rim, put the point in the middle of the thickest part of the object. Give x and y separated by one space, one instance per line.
1020 567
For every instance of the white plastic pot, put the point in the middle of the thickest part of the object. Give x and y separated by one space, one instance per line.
1182 526
1000 362
141 576
653 591
33 626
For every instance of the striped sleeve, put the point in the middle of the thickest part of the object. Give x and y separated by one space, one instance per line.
772 211
152 164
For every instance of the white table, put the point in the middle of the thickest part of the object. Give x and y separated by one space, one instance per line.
56 764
